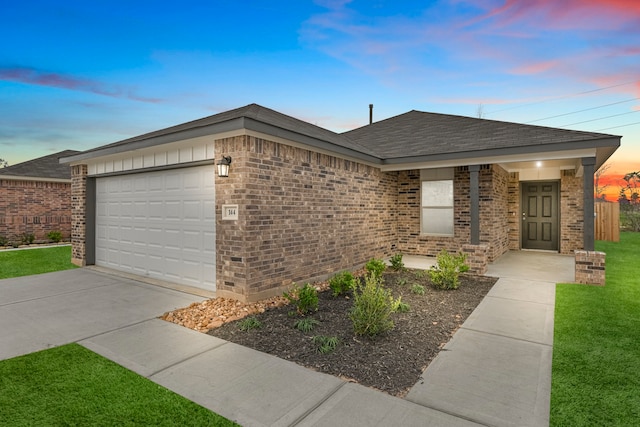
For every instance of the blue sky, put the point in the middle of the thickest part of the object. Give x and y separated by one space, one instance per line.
79 74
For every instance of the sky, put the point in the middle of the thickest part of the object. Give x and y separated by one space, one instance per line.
81 74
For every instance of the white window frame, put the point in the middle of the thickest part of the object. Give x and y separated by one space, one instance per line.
444 178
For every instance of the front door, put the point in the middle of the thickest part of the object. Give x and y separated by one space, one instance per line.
540 219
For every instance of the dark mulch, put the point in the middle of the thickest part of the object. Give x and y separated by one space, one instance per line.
392 363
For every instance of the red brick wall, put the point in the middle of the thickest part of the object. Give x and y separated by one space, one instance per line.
494 209
302 215
34 207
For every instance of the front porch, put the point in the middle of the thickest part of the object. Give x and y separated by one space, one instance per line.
541 266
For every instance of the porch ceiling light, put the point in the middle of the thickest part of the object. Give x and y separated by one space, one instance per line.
223 166
538 164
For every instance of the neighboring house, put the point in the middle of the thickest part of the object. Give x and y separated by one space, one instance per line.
302 202
35 198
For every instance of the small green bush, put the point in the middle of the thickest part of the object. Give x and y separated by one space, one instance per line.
325 344
54 236
417 289
342 283
306 325
249 323
396 262
372 307
445 274
4 241
27 238
305 299
375 267
401 282
400 307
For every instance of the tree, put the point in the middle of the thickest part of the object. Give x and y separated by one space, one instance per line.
480 111
599 187
3 163
630 201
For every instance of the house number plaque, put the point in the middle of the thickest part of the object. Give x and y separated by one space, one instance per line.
229 212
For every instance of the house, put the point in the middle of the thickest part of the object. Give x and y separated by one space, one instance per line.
35 198
301 202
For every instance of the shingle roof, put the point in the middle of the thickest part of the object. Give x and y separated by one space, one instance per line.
413 136
42 167
418 133
252 111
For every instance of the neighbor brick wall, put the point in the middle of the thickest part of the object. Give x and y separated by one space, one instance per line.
78 213
34 207
571 212
494 198
302 215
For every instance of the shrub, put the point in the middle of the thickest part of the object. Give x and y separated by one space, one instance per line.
445 274
396 262
417 289
375 267
27 238
305 299
249 323
4 241
341 283
372 307
325 344
399 307
306 325
54 236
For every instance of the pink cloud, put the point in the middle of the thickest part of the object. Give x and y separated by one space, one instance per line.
565 14
33 76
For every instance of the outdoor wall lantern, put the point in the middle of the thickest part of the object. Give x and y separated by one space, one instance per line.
223 166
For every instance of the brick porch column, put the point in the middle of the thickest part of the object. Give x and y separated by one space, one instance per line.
78 214
477 258
590 267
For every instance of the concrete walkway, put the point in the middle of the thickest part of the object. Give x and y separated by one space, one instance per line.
496 370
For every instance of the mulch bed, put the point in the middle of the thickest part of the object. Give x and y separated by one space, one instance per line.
393 362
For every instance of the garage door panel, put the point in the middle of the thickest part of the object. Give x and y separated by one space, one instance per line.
159 224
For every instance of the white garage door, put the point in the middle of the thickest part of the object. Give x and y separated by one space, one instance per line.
159 224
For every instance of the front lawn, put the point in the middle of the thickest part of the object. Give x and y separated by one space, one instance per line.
596 352
73 386
34 261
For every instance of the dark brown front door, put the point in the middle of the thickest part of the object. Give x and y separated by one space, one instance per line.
540 219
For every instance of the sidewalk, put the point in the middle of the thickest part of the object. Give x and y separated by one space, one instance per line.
496 371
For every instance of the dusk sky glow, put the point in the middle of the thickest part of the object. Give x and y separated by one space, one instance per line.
78 74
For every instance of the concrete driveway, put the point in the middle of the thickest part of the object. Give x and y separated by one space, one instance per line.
47 310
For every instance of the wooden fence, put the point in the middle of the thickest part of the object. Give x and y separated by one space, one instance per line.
607 221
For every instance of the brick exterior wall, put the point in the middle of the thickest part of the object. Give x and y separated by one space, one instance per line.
34 207
494 200
494 208
590 267
78 213
571 212
302 215
513 216
477 258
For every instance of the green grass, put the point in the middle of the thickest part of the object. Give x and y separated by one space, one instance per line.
34 261
596 351
73 386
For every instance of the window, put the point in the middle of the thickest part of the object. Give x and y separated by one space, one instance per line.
437 202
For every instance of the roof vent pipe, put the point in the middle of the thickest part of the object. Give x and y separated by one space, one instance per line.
370 113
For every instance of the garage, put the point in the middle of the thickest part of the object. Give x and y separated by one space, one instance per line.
159 224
